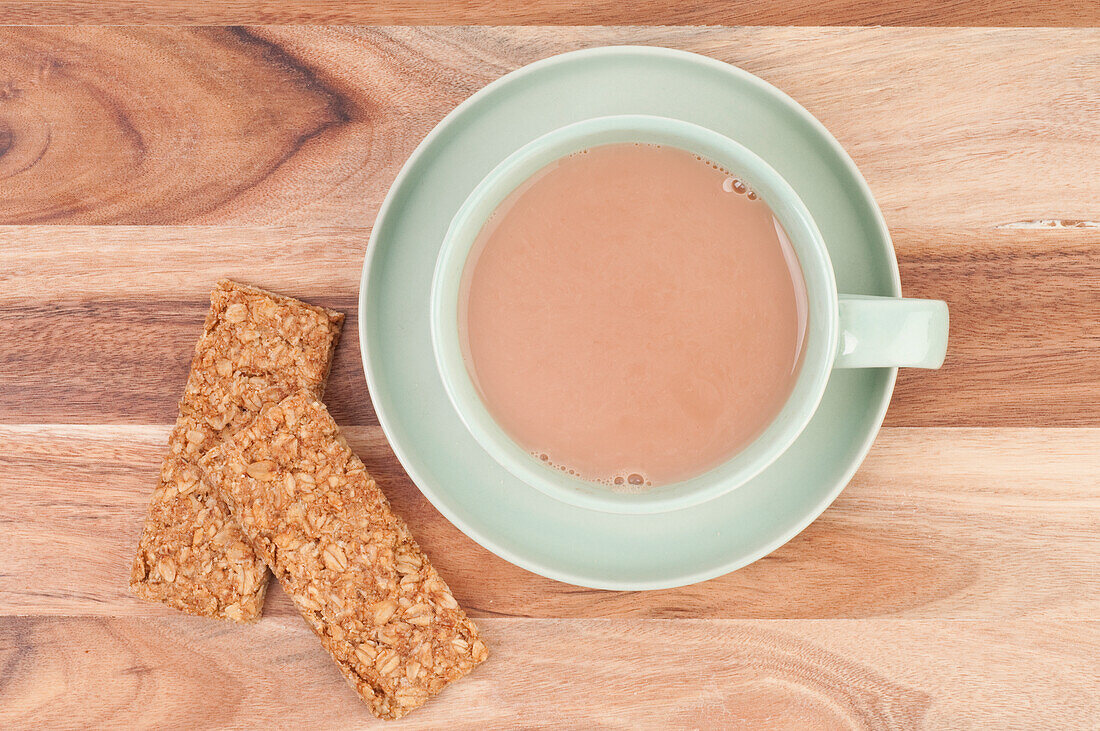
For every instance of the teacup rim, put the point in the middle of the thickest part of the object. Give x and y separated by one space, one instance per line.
740 467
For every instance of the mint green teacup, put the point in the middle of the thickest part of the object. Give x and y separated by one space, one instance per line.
844 331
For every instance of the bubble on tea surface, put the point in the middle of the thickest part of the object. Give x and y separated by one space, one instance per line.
635 479
544 457
751 196
733 185
618 480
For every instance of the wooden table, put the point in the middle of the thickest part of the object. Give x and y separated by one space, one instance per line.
954 583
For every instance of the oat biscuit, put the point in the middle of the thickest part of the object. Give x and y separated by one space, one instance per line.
256 348
316 517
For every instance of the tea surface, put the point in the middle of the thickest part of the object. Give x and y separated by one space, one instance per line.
633 315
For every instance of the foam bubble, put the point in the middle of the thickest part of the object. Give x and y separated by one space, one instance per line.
734 185
632 482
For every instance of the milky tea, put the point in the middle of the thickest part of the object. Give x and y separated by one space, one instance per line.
633 315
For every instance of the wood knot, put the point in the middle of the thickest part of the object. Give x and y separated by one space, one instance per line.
7 138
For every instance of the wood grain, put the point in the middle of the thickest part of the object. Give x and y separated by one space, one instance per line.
1025 318
86 103
938 523
557 12
310 125
1025 327
879 674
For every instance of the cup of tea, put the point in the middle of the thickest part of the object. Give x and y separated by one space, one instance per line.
637 314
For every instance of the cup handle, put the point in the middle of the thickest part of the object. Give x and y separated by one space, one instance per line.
891 332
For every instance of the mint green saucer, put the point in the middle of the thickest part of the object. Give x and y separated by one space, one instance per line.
514 520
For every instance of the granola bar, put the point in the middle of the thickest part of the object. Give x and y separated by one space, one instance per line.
316 517
256 349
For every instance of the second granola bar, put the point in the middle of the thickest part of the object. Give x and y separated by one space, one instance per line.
311 511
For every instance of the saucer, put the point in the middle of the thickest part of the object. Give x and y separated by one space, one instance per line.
503 514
